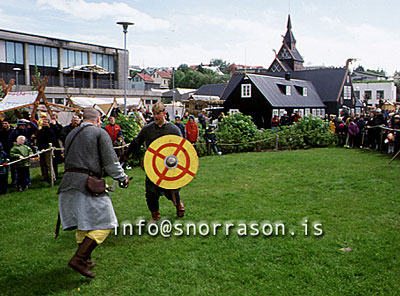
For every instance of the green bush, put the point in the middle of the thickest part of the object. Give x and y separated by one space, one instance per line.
130 127
239 129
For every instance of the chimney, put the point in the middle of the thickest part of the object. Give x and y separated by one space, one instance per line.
287 75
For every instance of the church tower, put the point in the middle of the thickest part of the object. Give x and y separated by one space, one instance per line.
288 58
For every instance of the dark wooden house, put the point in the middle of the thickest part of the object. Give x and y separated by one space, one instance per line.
262 96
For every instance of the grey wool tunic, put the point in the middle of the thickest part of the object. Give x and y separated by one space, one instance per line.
91 150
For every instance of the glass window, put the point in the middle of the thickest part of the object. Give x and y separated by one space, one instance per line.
106 62
19 53
305 92
39 55
32 56
246 90
54 57
111 63
10 52
71 58
288 90
94 58
47 56
65 58
380 94
78 58
85 59
347 92
100 60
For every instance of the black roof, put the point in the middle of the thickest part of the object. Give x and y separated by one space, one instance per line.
211 90
230 87
270 88
327 81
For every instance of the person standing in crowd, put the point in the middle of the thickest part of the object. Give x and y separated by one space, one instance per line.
150 132
211 139
275 123
396 133
24 128
179 124
92 216
75 121
5 133
332 124
3 170
361 135
203 119
112 129
57 128
285 119
120 143
353 132
341 130
192 131
21 151
44 138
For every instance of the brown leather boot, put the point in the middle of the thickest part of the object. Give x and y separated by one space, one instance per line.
78 262
180 209
89 261
155 216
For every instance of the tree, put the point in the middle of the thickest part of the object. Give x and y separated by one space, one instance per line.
188 78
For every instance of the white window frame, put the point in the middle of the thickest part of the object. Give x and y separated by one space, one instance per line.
275 112
314 112
246 90
307 112
347 92
233 111
322 113
301 112
288 90
281 112
305 91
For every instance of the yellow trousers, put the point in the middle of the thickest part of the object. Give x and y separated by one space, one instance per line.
98 235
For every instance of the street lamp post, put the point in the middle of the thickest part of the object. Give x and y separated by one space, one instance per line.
125 30
16 77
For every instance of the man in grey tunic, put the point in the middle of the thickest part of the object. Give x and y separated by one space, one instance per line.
88 150
150 132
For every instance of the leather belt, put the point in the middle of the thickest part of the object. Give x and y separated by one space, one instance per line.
83 171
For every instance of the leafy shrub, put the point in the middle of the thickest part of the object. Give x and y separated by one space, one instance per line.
239 129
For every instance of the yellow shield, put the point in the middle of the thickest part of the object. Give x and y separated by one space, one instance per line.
171 162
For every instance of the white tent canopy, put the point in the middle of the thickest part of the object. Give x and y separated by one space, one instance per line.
85 102
16 100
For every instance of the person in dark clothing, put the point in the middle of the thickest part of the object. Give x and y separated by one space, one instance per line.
67 129
396 126
149 133
3 170
203 119
24 128
361 135
44 138
285 119
5 133
180 125
57 128
211 139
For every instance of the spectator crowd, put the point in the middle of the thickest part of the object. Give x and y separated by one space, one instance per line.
377 130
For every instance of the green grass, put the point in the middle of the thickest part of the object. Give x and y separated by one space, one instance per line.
354 194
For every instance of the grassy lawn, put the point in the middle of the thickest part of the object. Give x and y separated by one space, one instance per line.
354 195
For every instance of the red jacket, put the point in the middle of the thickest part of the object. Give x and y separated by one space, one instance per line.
192 131
113 131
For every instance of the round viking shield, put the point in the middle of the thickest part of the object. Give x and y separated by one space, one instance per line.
171 162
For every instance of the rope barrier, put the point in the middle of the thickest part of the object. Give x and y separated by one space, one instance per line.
194 144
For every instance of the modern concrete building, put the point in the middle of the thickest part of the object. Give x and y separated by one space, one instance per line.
74 68
375 92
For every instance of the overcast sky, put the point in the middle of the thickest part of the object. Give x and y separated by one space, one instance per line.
174 32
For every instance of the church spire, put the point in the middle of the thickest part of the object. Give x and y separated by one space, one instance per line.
289 38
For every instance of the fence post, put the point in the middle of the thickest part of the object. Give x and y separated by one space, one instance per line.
51 165
277 142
